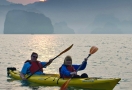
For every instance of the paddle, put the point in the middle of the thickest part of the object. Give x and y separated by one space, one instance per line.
92 51
52 60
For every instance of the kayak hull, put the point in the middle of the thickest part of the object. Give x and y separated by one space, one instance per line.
54 80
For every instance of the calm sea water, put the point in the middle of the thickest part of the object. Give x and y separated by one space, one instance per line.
113 59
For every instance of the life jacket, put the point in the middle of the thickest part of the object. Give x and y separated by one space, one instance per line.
69 68
35 65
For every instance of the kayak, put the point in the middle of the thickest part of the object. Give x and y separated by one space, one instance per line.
92 83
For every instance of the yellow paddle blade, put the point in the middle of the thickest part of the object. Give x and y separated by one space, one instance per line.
65 85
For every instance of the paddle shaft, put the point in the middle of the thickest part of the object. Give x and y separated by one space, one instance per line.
83 62
92 51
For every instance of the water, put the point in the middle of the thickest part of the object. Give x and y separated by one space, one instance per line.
113 59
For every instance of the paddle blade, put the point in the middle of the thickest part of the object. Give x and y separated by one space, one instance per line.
66 49
65 85
93 49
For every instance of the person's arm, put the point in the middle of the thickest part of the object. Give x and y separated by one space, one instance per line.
22 76
83 65
64 71
43 64
48 63
24 70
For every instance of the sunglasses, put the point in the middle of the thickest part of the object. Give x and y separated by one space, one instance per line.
35 56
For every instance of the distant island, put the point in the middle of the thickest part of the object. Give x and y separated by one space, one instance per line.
23 22
62 28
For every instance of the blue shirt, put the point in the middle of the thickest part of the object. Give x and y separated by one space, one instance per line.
66 72
26 67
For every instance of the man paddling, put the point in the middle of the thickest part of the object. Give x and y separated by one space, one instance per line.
33 66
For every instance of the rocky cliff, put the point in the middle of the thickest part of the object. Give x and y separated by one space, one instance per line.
24 22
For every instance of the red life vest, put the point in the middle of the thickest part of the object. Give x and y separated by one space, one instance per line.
35 65
69 68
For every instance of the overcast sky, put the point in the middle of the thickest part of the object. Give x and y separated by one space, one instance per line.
23 1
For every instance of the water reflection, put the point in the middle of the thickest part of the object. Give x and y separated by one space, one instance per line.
33 86
10 80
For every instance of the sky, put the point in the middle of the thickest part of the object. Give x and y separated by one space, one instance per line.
24 2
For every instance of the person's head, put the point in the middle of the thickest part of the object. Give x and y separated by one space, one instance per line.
68 60
34 56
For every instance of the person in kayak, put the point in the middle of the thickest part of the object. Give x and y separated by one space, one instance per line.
68 70
33 65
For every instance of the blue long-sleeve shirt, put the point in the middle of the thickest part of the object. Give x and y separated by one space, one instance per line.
66 72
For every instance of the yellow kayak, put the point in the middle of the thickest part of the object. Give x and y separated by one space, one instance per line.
54 80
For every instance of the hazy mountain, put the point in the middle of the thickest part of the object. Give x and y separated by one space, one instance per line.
4 2
23 22
5 8
108 28
126 26
84 16
62 28
87 16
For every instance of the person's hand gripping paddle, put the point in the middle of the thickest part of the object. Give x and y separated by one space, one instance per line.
92 51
